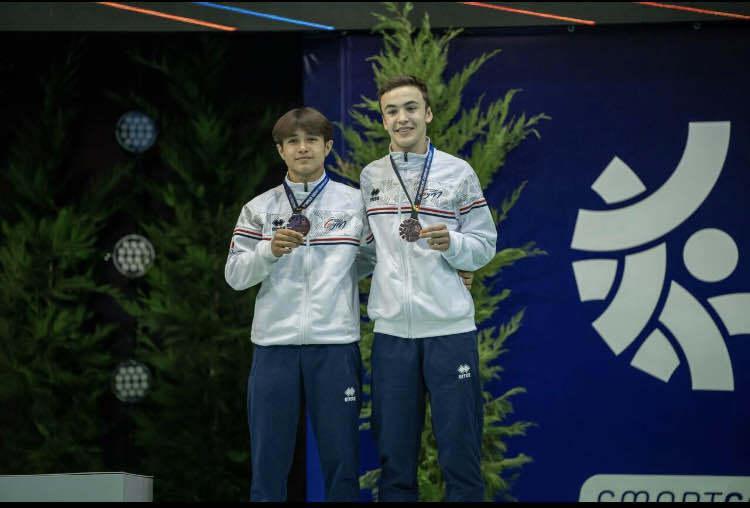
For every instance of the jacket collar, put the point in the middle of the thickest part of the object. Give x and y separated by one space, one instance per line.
299 188
407 160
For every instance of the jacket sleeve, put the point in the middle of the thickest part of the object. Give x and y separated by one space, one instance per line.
250 258
472 245
366 255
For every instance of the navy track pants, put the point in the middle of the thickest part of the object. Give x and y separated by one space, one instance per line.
329 378
404 372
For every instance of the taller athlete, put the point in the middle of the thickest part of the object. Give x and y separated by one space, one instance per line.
429 219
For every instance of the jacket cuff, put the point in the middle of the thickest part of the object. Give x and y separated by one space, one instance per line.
455 246
264 249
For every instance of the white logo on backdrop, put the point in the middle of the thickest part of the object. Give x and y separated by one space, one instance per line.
664 488
710 255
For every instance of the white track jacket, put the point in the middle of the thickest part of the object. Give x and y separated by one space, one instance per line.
416 291
309 296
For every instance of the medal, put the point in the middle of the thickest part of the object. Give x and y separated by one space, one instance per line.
298 222
409 229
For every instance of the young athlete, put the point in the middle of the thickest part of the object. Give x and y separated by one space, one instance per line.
300 241
430 219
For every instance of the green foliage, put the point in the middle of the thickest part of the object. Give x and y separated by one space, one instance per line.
54 368
193 330
487 133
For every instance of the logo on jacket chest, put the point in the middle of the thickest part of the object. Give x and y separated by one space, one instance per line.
334 224
389 192
433 194
278 223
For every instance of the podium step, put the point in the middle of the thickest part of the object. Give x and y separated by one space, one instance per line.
77 487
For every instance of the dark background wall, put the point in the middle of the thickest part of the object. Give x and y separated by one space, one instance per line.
262 68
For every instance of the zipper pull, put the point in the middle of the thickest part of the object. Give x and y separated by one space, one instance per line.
406 159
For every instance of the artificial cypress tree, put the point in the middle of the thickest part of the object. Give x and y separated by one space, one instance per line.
191 430
54 361
485 135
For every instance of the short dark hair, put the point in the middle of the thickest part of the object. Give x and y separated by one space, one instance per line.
405 80
308 119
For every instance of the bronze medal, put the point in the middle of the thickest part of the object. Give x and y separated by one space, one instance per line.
409 229
299 223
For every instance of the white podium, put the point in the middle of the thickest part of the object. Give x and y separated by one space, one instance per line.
77 487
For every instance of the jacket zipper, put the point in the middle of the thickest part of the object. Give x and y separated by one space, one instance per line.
306 264
407 273
408 295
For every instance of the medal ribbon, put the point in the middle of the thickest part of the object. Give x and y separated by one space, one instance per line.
298 207
422 181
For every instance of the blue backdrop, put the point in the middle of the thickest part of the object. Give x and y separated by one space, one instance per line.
675 399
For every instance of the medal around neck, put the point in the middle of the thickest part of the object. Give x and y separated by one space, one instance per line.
299 223
409 229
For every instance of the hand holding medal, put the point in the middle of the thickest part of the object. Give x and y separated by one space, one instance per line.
438 236
285 241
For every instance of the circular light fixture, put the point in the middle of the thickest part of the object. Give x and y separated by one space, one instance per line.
133 255
131 381
135 131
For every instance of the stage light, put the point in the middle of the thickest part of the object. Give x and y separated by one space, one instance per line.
538 14
686 8
159 14
131 380
135 131
133 255
264 15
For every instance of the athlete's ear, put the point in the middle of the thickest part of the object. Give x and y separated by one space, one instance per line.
428 115
280 148
329 146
